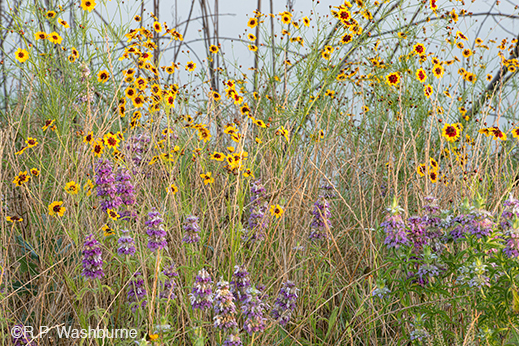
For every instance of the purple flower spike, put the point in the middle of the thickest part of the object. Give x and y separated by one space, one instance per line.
224 307
512 245
126 244
106 188
233 340
285 303
92 260
156 232
136 292
240 283
201 296
258 208
169 284
321 223
253 308
192 229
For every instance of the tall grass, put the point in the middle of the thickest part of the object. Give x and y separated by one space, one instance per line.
313 113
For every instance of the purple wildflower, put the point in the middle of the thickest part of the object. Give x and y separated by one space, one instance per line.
20 336
155 231
285 303
321 222
511 209
105 185
126 191
92 260
253 309
201 296
258 208
126 244
233 340
512 245
224 307
192 229
240 283
138 145
169 283
136 292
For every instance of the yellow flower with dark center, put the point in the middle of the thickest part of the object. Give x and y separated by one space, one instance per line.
130 92
111 141
50 14
213 49
421 169
31 142
451 132
217 156
252 23
173 188
21 178
112 214
306 21
393 78
55 209
282 132
14 219
346 38
138 101
64 23
98 147
467 52
208 179
21 55
428 90
35 172
276 211
157 27
40 35
286 17
72 188
107 231
438 71
102 76
190 66
55 38
253 48
419 49
88 5
421 75
251 37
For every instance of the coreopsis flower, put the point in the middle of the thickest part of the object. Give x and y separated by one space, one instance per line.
169 284
240 283
258 208
285 303
253 309
201 296
136 292
394 227
88 5
191 229
126 244
155 231
21 55
92 260
224 307
106 188
55 209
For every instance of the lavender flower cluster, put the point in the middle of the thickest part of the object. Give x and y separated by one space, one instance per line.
258 207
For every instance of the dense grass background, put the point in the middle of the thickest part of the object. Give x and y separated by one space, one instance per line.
345 126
